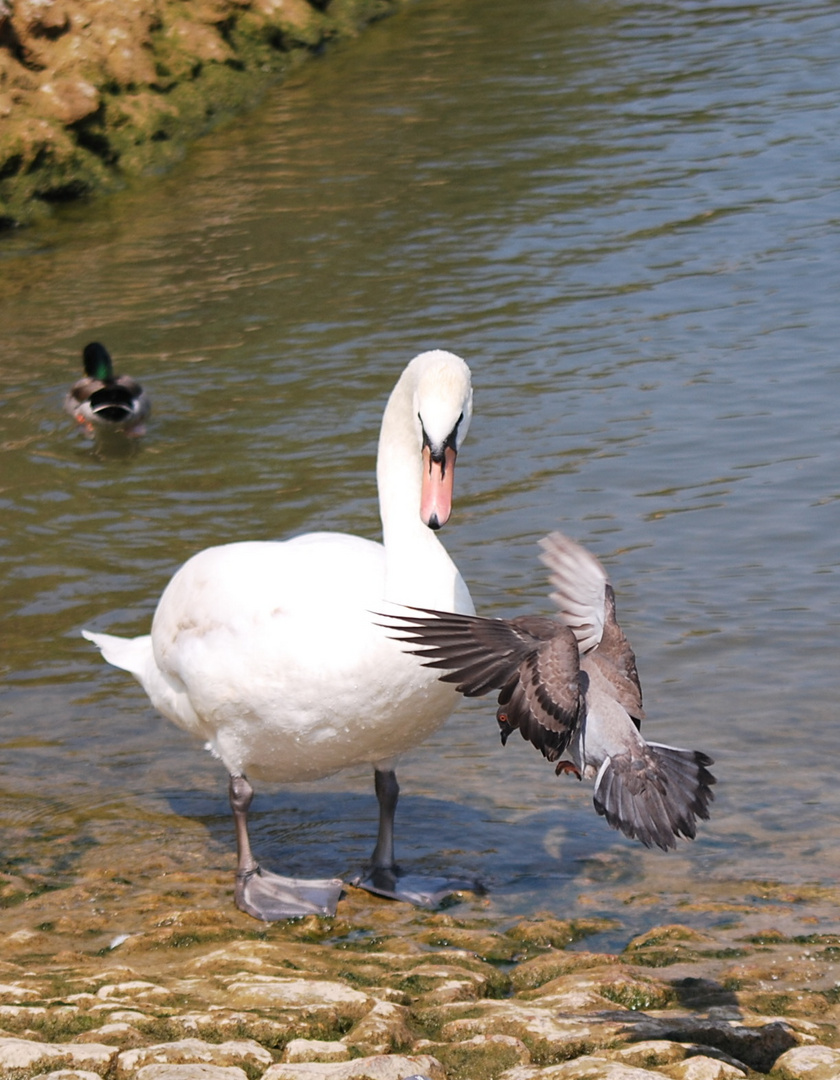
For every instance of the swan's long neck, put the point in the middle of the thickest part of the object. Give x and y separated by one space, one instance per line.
418 569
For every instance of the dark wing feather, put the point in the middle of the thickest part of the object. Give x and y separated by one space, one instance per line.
532 661
477 654
544 701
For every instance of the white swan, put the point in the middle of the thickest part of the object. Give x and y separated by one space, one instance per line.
269 650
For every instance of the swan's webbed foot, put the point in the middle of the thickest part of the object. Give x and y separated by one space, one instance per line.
567 767
427 892
383 877
271 897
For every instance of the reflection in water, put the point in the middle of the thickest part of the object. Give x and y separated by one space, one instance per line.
622 215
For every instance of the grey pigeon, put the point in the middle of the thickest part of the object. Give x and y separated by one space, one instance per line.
570 685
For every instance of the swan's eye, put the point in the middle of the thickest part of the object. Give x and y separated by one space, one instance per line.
449 443
452 438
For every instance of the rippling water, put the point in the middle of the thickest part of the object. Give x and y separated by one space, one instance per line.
625 216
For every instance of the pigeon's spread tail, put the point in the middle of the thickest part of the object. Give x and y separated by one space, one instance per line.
655 795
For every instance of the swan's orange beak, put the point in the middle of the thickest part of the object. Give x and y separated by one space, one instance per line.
436 493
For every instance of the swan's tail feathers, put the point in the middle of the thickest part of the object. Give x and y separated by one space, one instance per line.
130 654
655 794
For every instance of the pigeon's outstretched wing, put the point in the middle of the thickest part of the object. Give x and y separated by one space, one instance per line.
533 662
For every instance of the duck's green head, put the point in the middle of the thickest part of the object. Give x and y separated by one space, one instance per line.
98 362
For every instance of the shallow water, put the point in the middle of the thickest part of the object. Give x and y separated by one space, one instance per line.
624 216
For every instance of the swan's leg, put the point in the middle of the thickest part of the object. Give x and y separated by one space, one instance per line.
383 876
387 793
268 896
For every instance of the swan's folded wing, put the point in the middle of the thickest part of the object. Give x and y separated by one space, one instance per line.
579 583
477 654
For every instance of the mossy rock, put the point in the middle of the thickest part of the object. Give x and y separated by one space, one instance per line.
545 931
539 970
666 945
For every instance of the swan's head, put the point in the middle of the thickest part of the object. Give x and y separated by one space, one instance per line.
442 402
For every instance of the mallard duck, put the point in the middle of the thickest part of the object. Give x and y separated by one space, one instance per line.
102 401
270 653
570 684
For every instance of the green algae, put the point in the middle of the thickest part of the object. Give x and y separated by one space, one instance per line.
201 64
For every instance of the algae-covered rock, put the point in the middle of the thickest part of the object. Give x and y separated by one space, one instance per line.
384 1067
202 993
589 1067
545 931
539 970
93 91
479 1058
808 1063
17 1055
702 1067
240 1053
298 1050
383 1030
549 1034
666 945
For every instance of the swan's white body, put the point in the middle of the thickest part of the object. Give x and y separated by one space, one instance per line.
268 652
271 652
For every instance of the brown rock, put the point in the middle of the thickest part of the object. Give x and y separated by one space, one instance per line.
201 42
298 1050
68 100
383 1030
702 1067
808 1063
237 1052
384 1067
24 1054
190 1072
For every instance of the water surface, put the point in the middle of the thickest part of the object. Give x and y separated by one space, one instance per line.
624 216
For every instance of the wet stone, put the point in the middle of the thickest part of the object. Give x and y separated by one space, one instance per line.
547 1033
190 1072
21 1054
13 993
315 1050
135 990
705 1068
265 990
194 1051
382 1030
808 1063
382 994
379 1067
582 1068
68 1074
650 1053
483 1055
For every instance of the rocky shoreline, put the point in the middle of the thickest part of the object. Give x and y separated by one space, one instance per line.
95 91
198 990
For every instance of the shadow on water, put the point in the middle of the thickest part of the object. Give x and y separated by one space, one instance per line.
541 860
